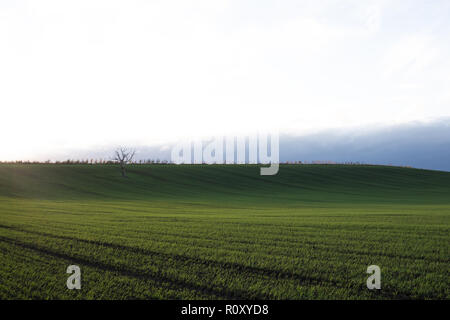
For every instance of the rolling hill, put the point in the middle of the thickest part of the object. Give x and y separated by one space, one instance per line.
223 231
296 183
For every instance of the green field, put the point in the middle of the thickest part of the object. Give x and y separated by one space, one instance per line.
223 232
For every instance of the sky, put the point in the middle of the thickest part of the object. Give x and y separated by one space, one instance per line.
414 144
85 75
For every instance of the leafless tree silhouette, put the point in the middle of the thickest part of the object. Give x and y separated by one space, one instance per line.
124 156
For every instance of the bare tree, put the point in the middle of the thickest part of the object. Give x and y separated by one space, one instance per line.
124 156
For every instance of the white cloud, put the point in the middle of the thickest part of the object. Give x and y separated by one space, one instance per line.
411 55
87 73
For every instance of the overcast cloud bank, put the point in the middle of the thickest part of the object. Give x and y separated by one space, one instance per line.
420 145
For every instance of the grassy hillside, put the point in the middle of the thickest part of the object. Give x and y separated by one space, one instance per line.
206 232
295 183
